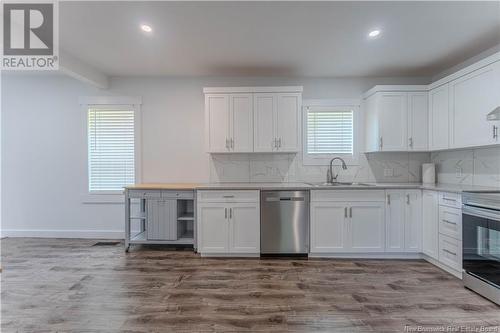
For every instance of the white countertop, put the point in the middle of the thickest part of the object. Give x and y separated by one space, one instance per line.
314 186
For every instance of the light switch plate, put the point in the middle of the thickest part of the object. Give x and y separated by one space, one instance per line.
458 172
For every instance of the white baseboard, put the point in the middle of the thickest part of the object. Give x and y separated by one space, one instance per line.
97 234
384 255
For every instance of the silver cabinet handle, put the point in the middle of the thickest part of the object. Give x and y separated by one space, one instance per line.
227 143
230 213
345 212
410 142
451 200
381 143
407 199
388 199
449 252
232 143
274 143
225 213
495 132
449 222
350 211
228 196
279 143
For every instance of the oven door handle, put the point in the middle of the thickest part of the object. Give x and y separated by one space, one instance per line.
481 212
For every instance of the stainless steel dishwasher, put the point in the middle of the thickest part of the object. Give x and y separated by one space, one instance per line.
284 222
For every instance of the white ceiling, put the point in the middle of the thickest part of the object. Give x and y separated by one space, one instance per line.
322 39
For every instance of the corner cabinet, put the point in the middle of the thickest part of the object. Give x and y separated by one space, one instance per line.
228 223
396 120
258 119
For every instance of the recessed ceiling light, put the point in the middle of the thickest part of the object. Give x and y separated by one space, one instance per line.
146 28
374 33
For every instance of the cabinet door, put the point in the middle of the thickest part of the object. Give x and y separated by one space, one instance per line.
439 118
213 223
430 243
241 123
394 220
217 122
329 227
264 112
393 119
366 229
372 132
161 221
244 228
473 96
418 121
287 122
413 221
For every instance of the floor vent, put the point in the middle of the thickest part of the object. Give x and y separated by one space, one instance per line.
107 243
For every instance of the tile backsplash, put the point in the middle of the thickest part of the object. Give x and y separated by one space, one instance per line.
375 167
480 166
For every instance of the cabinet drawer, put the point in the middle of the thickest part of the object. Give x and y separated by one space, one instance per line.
228 196
347 195
450 252
144 194
450 199
450 222
177 194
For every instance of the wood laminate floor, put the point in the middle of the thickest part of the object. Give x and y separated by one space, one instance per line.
70 285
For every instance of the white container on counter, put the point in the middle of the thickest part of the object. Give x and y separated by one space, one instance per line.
428 173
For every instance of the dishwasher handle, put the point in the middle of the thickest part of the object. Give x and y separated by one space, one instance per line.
276 199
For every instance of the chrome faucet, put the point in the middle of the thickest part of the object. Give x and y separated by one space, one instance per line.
329 175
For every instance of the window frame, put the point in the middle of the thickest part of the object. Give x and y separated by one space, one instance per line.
333 105
123 102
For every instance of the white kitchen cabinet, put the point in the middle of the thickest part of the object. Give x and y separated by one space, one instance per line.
229 122
346 226
413 221
394 220
329 224
403 221
473 96
213 227
265 105
244 228
227 226
430 224
217 122
439 132
418 120
276 122
393 120
396 121
366 227
241 123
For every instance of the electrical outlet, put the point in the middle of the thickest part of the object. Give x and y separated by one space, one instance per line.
458 172
389 172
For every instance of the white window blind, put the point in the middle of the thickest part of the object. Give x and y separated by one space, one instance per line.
111 148
330 132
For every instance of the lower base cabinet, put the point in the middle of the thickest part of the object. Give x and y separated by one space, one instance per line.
346 226
430 224
228 227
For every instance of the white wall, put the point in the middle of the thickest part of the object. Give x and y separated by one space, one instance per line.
44 144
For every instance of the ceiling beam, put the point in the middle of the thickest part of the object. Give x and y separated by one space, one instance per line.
82 71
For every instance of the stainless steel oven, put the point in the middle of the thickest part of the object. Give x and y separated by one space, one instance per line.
481 243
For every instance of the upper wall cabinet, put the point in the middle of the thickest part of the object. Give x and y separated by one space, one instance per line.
439 118
472 97
259 119
396 121
229 120
276 122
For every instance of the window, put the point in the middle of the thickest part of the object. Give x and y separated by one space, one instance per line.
330 131
111 147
